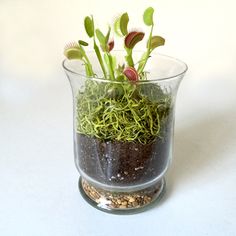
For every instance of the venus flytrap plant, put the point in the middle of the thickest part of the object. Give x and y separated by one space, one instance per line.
123 125
107 47
88 65
106 60
121 25
127 112
73 51
153 41
90 30
76 51
148 20
131 40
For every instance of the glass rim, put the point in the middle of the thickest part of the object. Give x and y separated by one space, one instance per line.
102 79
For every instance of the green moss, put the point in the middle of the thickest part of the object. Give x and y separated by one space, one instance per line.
123 112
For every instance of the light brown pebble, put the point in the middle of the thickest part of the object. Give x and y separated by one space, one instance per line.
131 199
119 201
94 195
124 203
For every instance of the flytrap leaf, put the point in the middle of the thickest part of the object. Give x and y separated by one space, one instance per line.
121 25
124 20
108 35
117 27
110 45
148 16
156 41
131 74
133 38
101 39
89 26
83 43
73 53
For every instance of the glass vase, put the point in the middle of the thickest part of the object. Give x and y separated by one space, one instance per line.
123 132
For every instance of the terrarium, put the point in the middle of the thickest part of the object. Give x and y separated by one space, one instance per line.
123 114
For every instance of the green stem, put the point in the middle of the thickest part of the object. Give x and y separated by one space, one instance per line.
129 57
110 66
145 57
98 53
89 69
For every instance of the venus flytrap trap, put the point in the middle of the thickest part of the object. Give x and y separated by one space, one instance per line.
76 51
123 120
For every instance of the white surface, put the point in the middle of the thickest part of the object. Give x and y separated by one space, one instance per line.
38 179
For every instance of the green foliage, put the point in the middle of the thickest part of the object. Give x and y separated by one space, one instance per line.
110 64
89 26
156 41
99 56
124 20
108 35
133 38
148 16
117 27
143 61
153 41
102 39
73 53
105 59
122 112
129 112
121 25
83 43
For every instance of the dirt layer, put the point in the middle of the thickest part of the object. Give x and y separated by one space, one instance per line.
122 163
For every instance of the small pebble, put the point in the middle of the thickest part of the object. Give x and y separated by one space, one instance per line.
119 200
131 199
125 203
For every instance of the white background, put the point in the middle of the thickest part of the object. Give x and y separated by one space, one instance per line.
38 179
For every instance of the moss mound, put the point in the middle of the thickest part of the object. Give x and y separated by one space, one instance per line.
123 112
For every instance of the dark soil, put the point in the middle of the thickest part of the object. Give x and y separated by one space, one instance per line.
122 163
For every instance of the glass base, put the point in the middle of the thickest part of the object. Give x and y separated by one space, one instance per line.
122 202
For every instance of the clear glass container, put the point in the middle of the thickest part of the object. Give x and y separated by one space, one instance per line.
123 132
